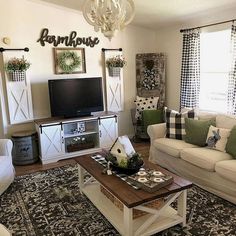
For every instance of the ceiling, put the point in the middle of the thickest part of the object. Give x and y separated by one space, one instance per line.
156 14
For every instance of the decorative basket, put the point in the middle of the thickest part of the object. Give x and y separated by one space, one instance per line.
123 170
79 146
17 75
155 204
127 171
114 71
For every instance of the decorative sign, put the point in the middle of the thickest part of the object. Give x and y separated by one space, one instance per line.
71 41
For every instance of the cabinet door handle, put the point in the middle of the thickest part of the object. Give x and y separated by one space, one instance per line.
100 133
62 139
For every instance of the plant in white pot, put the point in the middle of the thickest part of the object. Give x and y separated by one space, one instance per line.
16 68
114 64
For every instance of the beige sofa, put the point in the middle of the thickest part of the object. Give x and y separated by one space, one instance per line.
7 171
213 170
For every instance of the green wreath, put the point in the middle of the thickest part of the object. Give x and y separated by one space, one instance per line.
68 61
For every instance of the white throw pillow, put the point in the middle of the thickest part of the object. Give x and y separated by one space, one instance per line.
217 138
143 103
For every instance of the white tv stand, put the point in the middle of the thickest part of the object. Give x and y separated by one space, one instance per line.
65 138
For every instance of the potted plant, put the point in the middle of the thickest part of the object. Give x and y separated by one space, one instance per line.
16 68
114 64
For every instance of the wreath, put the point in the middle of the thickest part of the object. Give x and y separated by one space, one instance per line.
68 61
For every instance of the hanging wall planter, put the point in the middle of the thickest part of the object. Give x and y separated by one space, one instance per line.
17 75
114 71
114 65
16 68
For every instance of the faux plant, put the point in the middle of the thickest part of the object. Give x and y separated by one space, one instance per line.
116 61
17 64
68 61
133 161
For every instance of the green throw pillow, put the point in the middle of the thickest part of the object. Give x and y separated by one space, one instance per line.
231 143
150 117
197 130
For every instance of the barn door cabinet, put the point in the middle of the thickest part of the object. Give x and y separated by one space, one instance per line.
65 138
51 141
108 131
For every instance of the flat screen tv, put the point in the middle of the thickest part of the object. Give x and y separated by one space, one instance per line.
75 97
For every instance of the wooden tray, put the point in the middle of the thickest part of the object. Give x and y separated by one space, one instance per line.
150 180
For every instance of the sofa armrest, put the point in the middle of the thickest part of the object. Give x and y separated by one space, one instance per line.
156 131
5 147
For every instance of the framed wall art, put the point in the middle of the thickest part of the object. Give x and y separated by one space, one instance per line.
69 60
150 76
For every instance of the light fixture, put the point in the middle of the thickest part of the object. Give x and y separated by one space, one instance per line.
108 15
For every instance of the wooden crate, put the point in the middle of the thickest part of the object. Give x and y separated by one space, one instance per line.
155 204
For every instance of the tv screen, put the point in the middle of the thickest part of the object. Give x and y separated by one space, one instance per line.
75 97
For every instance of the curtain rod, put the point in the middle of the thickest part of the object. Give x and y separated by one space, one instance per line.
111 49
203 26
14 49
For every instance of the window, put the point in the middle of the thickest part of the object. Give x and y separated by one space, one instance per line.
214 67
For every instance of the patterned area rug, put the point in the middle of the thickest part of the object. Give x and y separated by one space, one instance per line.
49 203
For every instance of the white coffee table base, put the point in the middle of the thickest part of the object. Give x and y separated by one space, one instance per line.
154 222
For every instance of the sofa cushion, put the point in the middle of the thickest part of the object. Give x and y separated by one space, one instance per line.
230 146
225 121
6 173
203 157
171 146
197 130
175 123
203 115
5 162
217 138
227 169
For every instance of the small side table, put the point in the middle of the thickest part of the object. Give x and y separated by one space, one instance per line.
25 147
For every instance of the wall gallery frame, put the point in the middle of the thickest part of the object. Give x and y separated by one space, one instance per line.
69 60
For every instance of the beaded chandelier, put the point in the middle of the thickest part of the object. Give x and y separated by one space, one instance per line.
108 15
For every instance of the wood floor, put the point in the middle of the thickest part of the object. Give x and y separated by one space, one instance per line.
142 148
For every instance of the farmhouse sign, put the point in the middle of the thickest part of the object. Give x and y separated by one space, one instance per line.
71 40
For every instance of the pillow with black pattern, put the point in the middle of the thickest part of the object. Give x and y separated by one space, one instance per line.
143 103
175 123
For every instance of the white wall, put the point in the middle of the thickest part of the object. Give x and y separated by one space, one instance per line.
169 41
22 21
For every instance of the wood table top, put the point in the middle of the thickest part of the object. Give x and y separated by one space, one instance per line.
124 192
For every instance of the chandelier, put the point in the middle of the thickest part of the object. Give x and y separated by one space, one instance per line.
108 15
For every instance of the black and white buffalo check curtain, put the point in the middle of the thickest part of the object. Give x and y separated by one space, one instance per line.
190 71
232 75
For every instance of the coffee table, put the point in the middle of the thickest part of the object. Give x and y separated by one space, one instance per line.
155 221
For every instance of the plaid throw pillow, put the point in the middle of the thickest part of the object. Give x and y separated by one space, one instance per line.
175 123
